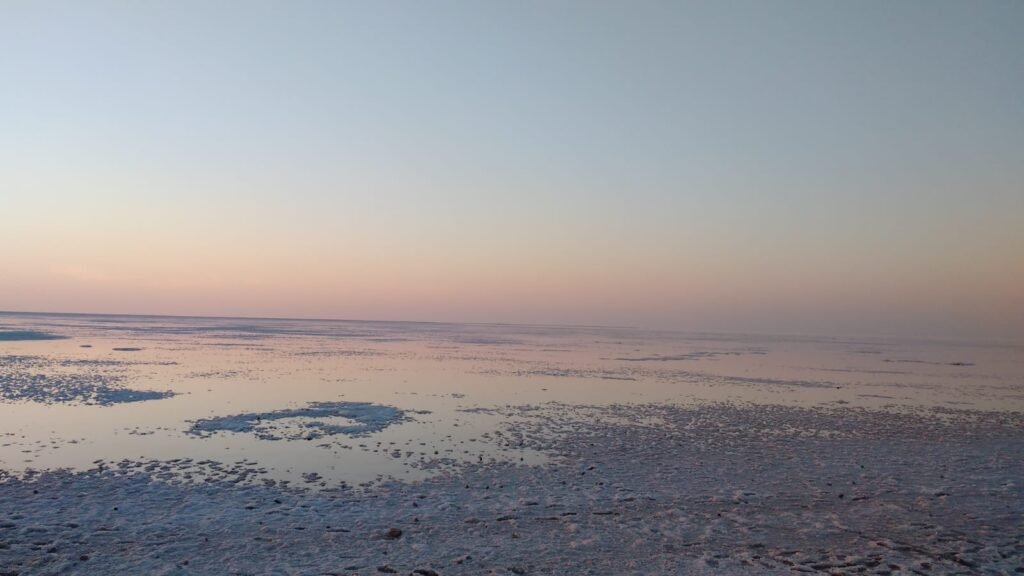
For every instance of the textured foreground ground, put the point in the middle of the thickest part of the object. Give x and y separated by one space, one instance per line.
635 490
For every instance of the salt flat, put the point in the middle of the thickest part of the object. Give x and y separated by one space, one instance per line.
367 448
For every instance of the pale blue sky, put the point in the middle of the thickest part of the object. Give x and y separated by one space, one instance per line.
792 166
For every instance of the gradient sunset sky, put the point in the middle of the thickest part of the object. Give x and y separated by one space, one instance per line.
765 166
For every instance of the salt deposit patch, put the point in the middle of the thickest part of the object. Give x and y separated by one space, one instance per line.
71 389
48 381
317 420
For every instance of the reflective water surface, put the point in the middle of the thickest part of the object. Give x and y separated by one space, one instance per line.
409 399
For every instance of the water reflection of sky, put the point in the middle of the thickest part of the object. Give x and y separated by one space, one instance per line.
444 377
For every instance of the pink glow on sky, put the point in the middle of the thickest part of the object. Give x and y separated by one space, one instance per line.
768 167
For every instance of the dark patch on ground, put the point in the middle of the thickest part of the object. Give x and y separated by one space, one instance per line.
16 335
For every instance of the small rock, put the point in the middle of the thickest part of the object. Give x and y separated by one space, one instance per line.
393 534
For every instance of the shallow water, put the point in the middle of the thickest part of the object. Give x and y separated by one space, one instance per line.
116 387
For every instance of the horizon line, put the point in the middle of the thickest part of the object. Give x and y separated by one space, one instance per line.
312 319
791 336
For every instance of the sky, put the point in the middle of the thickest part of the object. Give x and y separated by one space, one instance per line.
782 167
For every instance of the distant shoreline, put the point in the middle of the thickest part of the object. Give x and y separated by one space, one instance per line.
995 342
